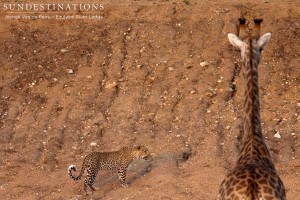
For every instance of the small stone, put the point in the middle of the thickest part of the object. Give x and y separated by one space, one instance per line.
70 71
208 111
230 89
93 144
293 134
203 64
171 69
89 77
64 50
209 94
85 133
227 127
151 79
143 49
192 92
111 85
298 104
226 10
277 135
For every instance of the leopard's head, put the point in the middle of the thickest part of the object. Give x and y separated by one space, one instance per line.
141 152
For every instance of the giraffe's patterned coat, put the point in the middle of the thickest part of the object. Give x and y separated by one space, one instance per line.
255 176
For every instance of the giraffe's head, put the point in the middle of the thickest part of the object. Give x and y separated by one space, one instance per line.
247 40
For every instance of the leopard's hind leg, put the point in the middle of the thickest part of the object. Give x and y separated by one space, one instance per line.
90 180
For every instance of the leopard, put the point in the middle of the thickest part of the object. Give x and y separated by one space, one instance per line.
113 160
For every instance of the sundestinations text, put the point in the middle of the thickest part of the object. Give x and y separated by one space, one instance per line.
53 7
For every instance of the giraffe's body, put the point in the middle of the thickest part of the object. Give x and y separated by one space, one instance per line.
254 177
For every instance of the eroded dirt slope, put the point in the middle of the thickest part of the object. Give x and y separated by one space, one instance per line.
155 73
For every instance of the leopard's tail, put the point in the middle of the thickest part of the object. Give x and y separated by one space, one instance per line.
73 168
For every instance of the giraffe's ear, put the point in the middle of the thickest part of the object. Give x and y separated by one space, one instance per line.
263 40
235 40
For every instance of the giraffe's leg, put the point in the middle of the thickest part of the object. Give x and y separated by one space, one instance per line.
122 177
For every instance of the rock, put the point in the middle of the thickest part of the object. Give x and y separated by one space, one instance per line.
70 71
226 10
143 49
93 144
204 63
277 135
64 50
111 85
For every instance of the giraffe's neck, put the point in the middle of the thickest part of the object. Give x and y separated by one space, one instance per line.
253 145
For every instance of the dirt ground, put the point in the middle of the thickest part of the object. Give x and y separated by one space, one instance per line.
155 73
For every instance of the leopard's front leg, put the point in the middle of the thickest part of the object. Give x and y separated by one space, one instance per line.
122 176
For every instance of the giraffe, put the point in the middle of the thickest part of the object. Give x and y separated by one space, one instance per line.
255 176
